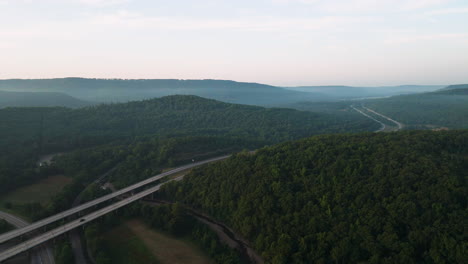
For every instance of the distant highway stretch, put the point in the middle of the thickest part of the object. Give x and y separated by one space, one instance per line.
399 125
42 255
18 232
383 127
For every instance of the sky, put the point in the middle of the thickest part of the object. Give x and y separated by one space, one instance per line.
278 42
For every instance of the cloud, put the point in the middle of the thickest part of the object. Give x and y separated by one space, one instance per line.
365 6
101 2
256 23
448 11
425 38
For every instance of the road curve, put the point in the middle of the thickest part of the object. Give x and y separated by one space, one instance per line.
399 125
43 255
382 125
18 232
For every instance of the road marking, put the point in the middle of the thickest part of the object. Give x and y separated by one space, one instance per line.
382 127
76 223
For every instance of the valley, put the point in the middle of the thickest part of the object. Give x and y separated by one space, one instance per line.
287 165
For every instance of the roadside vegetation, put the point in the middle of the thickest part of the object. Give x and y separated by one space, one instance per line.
43 191
5 226
165 234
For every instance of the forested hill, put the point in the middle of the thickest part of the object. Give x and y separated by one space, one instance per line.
172 115
27 133
460 90
366 198
39 99
120 90
455 86
446 108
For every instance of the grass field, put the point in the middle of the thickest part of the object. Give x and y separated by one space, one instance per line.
125 247
168 250
135 242
40 191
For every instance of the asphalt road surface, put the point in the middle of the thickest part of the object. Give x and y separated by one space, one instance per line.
383 127
43 255
18 232
31 243
399 125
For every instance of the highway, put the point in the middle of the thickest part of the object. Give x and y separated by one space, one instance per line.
75 238
31 243
18 232
382 125
383 128
399 125
42 255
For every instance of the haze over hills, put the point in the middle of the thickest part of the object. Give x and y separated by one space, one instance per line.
167 116
39 99
119 90
455 86
445 108
343 92
122 90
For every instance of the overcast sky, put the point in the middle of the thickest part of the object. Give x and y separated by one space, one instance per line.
280 42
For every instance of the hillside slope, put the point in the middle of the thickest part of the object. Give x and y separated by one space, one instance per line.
167 116
444 108
203 125
39 99
367 198
455 86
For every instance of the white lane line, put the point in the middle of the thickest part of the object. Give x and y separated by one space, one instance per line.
382 125
76 223
51 219
400 125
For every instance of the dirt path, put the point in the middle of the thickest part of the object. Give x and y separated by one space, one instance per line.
166 249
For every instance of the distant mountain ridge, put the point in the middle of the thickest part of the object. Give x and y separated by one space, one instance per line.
455 86
39 99
121 90
345 92
124 90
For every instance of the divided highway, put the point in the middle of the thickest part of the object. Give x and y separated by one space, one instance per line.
399 125
36 241
382 125
383 128
42 255
31 243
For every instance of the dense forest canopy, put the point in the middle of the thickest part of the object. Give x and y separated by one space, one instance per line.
172 115
377 198
27 133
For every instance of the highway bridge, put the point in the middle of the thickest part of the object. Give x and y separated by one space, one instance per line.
40 255
31 243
